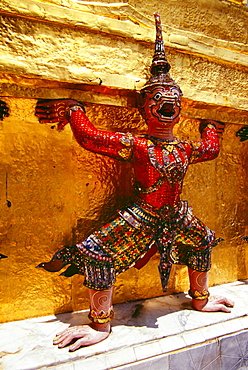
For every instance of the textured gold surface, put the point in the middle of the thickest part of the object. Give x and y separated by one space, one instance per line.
111 44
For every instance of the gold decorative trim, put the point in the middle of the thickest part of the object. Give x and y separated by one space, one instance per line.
199 295
102 317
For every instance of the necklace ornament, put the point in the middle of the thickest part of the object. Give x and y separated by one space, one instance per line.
173 167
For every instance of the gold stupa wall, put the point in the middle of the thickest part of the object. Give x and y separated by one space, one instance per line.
52 192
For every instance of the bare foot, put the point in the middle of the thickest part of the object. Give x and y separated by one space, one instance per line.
85 335
213 304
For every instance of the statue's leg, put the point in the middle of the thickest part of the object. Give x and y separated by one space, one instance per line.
101 312
200 295
198 288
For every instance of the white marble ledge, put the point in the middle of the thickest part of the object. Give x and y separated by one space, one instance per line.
142 330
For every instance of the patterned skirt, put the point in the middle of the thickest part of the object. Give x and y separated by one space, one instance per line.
179 236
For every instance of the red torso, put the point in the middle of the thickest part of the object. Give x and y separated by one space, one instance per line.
146 175
148 158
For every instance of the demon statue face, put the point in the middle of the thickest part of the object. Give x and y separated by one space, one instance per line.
160 99
161 105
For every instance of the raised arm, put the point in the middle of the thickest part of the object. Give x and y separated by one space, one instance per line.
208 148
64 111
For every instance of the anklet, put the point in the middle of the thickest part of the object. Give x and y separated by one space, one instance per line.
200 295
102 317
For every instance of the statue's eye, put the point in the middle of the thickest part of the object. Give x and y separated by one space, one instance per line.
157 96
175 92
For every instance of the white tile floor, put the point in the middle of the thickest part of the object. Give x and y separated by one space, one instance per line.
167 334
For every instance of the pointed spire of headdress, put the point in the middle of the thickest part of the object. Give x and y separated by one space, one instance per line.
159 63
160 66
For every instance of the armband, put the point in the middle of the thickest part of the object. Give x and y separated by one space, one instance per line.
127 141
206 124
74 108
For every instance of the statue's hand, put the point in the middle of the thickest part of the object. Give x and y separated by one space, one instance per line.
55 111
213 304
85 335
220 126
4 110
242 133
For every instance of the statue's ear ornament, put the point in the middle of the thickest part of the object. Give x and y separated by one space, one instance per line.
160 66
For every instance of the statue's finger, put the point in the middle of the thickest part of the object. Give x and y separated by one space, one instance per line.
79 343
43 108
48 120
229 302
41 114
44 101
223 308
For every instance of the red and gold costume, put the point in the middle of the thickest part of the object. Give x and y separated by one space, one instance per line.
157 218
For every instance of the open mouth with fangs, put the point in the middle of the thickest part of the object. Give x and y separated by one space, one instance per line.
167 110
